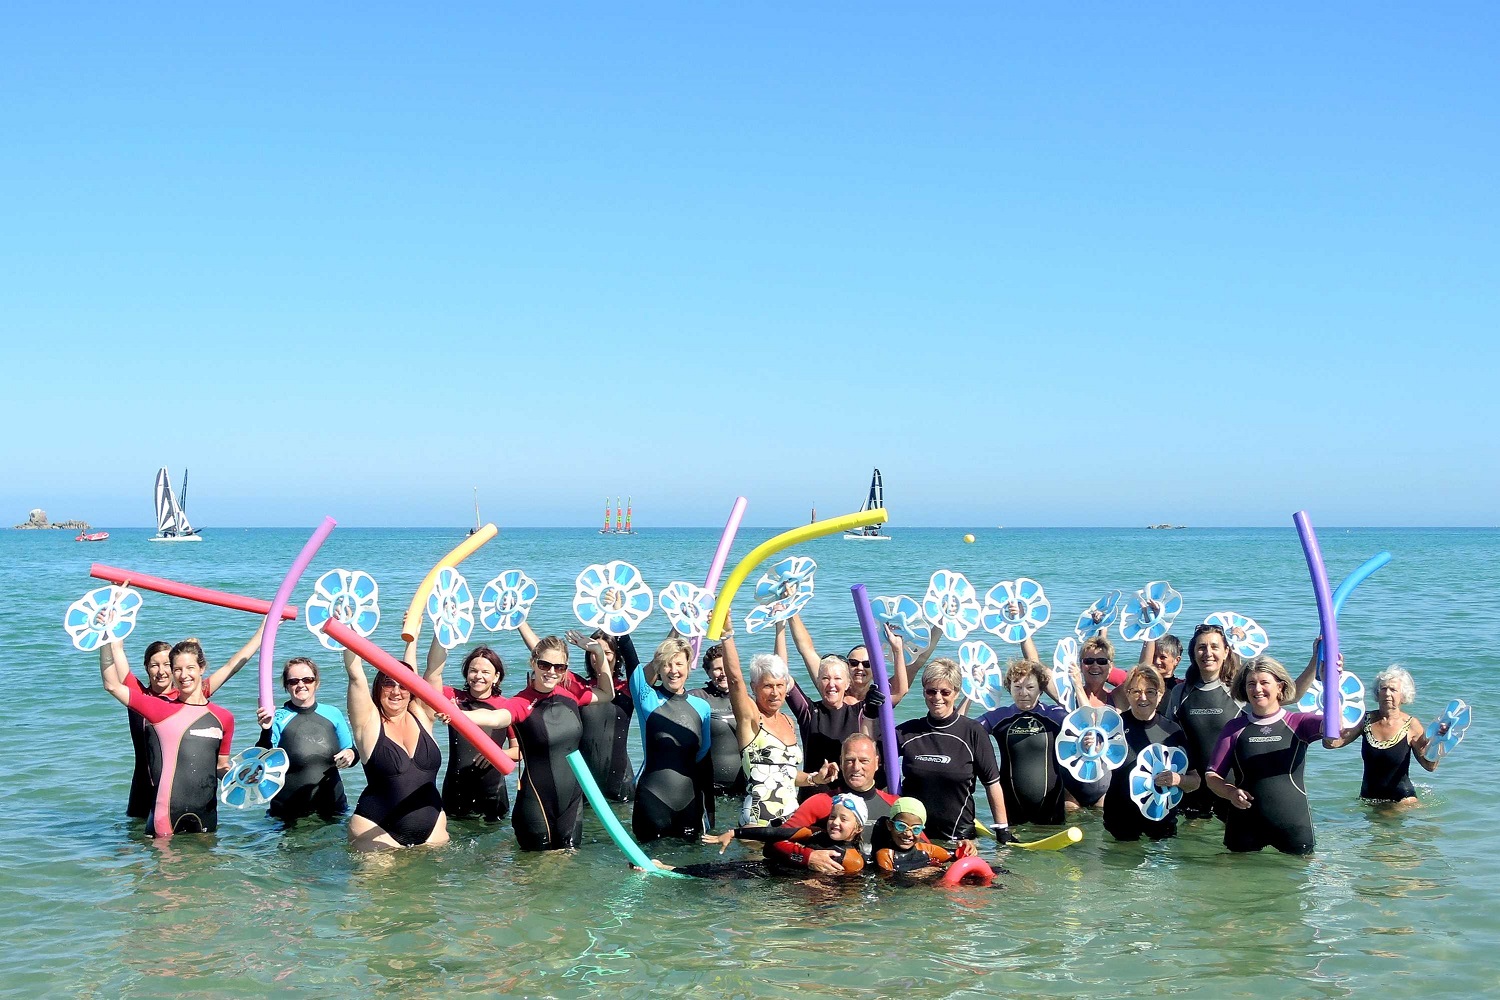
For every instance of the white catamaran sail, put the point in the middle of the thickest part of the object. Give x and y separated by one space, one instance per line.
171 517
875 501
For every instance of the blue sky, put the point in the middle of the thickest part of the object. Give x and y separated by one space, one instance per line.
1090 266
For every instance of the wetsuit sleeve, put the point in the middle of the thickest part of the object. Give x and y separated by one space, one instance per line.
342 730
1307 725
226 723
519 708
769 833
798 703
1218 763
265 737
812 812
629 656
151 709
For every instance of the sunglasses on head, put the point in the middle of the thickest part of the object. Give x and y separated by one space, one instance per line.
1210 627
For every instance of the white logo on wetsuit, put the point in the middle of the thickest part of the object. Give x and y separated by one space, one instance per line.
214 733
1205 711
933 758
1262 739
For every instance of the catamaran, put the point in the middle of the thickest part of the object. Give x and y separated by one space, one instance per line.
875 501
171 517
621 523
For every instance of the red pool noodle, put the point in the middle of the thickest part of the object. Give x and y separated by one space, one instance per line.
418 686
964 867
219 599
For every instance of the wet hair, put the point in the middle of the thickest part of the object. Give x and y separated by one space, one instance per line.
669 647
1018 669
486 653
1228 673
613 642
716 651
1171 645
287 668
156 647
1406 688
1148 673
190 645
764 665
1264 665
1097 642
942 669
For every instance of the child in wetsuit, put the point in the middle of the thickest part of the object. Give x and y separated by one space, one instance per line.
898 842
788 849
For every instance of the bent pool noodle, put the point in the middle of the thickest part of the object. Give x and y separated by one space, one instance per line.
186 591
869 632
964 867
1354 579
721 555
412 623
418 686
1327 619
785 540
612 826
273 617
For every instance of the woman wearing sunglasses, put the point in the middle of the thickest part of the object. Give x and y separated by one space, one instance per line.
943 754
1096 660
317 740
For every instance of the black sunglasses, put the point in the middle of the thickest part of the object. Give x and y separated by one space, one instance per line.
859 663
1095 661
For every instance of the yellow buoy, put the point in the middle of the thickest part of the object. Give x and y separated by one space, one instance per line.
969 539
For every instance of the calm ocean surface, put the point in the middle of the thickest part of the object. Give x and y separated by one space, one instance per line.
1388 903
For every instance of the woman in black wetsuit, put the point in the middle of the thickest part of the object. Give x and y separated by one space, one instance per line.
471 785
1143 727
674 794
823 724
318 742
729 778
547 720
1026 742
605 744
1388 738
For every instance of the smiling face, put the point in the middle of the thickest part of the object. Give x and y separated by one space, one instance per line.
1209 653
1095 664
674 672
770 694
301 683
715 670
1164 661
858 762
159 671
904 830
480 676
859 669
547 670
940 697
833 681
1026 692
187 674
843 825
1144 696
1263 691
391 698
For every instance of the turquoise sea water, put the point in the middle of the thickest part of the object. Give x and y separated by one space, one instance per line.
1388 902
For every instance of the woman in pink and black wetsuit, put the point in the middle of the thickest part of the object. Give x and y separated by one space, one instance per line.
1264 751
188 740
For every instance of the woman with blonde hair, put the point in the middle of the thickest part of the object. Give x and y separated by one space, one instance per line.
674 794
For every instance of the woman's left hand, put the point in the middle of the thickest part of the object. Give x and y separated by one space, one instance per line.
1167 779
344 758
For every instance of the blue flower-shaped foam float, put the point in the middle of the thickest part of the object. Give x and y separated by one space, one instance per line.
103 615
254 777
350 597
1015 609
781 592
1064 662
983 680
1149 613
904 615
688 608
506 600
451 608
1100 615
1351 699
612 597
951 604
1241 632
1440 741
1155 803
1108 751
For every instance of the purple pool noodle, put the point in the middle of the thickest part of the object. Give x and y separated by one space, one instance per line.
870 631
721 555
1327 619
284 594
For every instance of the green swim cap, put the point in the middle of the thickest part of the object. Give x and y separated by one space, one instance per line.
911 806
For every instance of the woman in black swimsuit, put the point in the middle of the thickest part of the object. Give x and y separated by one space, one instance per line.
1389 738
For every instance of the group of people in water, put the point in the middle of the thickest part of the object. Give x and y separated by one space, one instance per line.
811 785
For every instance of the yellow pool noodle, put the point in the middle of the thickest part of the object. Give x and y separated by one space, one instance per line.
785 540
412 623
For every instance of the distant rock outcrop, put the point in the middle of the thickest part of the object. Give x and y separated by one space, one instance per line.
38 519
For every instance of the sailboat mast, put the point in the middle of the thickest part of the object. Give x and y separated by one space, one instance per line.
627 515
619 516
605 530
183 502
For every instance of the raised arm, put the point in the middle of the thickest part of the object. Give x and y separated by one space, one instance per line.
364 718
1148 652
220 677
900 678
1305 679
437 659
805 647
528 636
746 714
109 671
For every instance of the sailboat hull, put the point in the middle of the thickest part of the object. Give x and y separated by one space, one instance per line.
867 538
176 538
